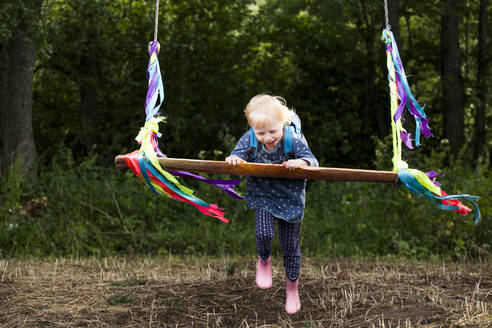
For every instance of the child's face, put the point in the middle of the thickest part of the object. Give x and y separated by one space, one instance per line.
270 134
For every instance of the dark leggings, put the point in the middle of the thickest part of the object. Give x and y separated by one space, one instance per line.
289 241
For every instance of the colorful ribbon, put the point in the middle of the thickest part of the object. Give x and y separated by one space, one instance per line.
419 183
145 161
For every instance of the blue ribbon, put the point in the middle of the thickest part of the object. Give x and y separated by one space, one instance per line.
415 187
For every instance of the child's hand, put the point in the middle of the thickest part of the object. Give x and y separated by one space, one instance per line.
234 160
292 164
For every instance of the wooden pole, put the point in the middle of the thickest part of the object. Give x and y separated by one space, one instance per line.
272 170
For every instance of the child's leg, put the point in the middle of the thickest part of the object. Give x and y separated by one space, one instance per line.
264 238
264 233
289 240
291 251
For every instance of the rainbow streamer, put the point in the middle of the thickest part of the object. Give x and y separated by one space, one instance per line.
419 183
145 161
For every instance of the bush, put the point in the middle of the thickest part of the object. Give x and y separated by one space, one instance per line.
82 209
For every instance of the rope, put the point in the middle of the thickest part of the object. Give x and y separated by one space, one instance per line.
156 21
386 16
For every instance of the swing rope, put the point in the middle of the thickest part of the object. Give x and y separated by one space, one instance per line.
401 98
145 161
386 15
156 19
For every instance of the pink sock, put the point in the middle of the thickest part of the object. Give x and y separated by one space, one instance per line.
292 302
264 273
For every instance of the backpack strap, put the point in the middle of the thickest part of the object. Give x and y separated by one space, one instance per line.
288 136
253 145
296 123
287 140
289 131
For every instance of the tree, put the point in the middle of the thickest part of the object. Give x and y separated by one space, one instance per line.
325 57
394 17
367 28
482 62
17 55
453 96
77 34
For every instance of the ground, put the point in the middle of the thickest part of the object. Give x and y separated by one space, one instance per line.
205 292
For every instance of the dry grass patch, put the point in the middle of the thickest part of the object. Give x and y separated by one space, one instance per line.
175 292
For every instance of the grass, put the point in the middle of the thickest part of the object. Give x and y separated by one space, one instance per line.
120 299
130 282
211 292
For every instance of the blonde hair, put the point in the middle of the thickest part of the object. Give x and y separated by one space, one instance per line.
263 110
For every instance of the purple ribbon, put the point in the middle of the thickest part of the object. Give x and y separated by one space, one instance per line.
153 79
406 138
226 185
424 128
433 175
407 100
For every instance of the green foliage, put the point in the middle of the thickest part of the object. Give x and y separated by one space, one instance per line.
11 188
8 18
380 220
324 57
91 210
120 299
215 55
15 12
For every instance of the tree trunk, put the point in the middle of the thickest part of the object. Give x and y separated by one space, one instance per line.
368 34
89 103
480 117
409 31
4 97
452 81
394 18
4 65
18 55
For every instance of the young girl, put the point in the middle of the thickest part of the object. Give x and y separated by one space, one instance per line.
275 200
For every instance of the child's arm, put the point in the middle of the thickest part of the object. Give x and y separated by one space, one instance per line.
240 152
234 160
303 155
292 164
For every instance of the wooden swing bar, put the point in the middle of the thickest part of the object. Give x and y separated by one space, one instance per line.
272 170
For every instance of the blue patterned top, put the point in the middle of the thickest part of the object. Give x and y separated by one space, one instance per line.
283 198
